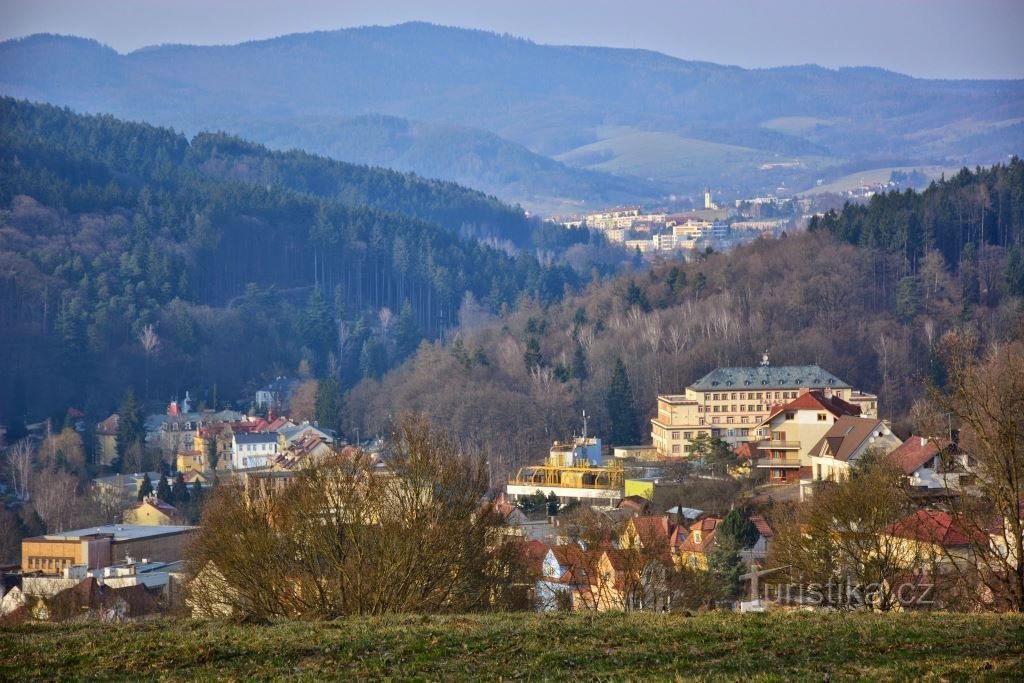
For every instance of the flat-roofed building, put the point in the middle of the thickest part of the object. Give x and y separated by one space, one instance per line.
102 546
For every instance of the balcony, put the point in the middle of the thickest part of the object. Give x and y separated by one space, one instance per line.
770 445
778 462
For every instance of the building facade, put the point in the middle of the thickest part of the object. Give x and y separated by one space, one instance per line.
731 403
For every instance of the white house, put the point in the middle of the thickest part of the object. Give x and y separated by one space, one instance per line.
253 450
847 441
923 461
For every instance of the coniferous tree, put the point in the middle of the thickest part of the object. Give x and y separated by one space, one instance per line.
179 490
622 408
552 504
131 430
578 370
317 327
532 357
908 298
212 456
407 332
636 297
737 529
329 404
145 487
163 489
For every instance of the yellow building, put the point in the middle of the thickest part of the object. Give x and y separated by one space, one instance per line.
106 440
730 403
151 512
190 460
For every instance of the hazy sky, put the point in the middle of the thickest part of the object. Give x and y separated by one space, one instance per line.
930 38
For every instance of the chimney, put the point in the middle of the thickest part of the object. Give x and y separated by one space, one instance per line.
764 359
803 390
924 442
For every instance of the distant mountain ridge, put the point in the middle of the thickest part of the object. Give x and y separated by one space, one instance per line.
584 105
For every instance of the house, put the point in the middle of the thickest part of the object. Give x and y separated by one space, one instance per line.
90 597
650 534
291 433
846 441
930 539
276 395
930 464
793 428
564 579
759 551
186 461
152 511
106 440
693 550
628 579
511 515
255 450
635 504
121 487
731 403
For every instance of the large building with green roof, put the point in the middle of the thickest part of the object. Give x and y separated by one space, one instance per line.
730 402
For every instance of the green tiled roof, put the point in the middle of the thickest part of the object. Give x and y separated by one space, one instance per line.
769 377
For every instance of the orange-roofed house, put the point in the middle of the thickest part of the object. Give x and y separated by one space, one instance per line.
793 428
930 463
932 538
646 533
693 550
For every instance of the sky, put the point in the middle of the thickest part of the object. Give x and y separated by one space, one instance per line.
925 38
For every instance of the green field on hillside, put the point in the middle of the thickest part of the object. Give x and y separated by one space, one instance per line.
779 646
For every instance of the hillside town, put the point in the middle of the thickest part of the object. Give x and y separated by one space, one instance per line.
633 527
660 233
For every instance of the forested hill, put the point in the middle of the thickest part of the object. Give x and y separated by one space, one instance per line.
970 212
141 149
108 226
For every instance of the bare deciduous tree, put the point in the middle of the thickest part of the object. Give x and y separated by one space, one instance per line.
150 345
349 537
985 399
19 464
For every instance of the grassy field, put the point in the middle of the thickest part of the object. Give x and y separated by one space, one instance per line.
781 646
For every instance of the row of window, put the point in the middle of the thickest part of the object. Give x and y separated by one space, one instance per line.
741 408
744 395
250 447
50 564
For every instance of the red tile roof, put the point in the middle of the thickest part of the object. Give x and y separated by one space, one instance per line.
815 400
108 427
915 451
747 450
652 530
706 527
933 526
762 525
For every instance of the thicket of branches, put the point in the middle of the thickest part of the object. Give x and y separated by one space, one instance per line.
348 536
